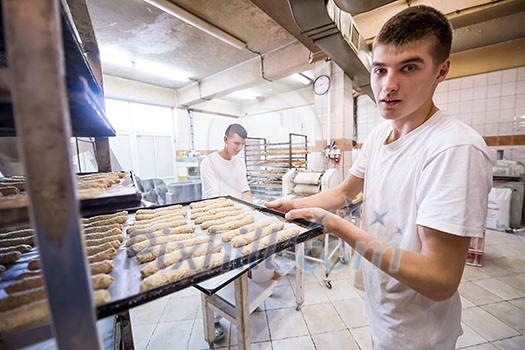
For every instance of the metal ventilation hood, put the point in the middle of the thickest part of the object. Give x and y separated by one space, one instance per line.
355 7
339 40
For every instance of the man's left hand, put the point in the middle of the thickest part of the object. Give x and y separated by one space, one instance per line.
317 215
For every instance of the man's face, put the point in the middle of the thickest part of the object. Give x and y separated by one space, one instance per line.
233 144
404 79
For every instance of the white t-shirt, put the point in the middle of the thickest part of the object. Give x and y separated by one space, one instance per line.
439 176
221 177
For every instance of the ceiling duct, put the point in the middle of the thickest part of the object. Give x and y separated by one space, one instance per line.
355 7
335 32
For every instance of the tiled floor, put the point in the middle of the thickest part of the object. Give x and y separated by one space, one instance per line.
493 300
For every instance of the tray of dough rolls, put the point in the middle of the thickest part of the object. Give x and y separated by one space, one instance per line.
138 256
98 193
169 248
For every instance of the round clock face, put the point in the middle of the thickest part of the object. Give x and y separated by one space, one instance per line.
321 84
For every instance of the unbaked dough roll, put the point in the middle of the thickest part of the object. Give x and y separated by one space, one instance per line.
34 264
22 248
88 185
158 210
160 215
27 274
9 257
89 193
228 236
92 250
224 220
267 241
17 299
16 241
114 232
17 234
98 267
259 233
137 247
186 268
103 217
23 316
197 215
216 216
115 240
188 228
144 219
153 235
24 284
104 255
172 258
140 229
219 205
38 312
230 225
103 229
101 281
151 253
207 202
98 281
9 190
114 220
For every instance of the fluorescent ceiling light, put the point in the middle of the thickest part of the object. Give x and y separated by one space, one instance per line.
244 94
301 78
117 61
162 71
197 22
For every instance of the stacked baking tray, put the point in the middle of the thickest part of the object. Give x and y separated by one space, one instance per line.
121 195
129 288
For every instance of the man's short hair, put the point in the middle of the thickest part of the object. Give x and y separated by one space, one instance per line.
236 129
416 23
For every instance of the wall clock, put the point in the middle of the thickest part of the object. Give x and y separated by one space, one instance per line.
321 84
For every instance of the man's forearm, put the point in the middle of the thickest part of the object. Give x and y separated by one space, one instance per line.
247 196
434 276
331 199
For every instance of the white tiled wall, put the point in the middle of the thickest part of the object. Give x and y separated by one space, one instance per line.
492 103
208 129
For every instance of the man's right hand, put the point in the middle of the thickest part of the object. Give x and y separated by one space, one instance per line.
282 204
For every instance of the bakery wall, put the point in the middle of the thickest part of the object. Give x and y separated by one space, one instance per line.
492 103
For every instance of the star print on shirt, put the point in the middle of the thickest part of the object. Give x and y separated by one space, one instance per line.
399 230
378 218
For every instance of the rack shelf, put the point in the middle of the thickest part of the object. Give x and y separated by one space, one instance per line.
49 93
266 163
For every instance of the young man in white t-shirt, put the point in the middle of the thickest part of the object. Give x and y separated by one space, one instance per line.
425 177
222 173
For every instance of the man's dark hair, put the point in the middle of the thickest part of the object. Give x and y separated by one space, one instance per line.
236 129
416 23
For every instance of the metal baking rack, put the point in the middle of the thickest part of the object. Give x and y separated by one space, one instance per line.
266 163
64 55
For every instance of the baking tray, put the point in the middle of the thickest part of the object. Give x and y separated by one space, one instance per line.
125 288
121 196
14 209
125 292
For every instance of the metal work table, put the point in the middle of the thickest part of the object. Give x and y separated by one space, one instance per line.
234 296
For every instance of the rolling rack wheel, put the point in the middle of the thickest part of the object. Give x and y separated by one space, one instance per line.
327 283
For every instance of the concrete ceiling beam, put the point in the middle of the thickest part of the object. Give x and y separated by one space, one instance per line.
270 66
